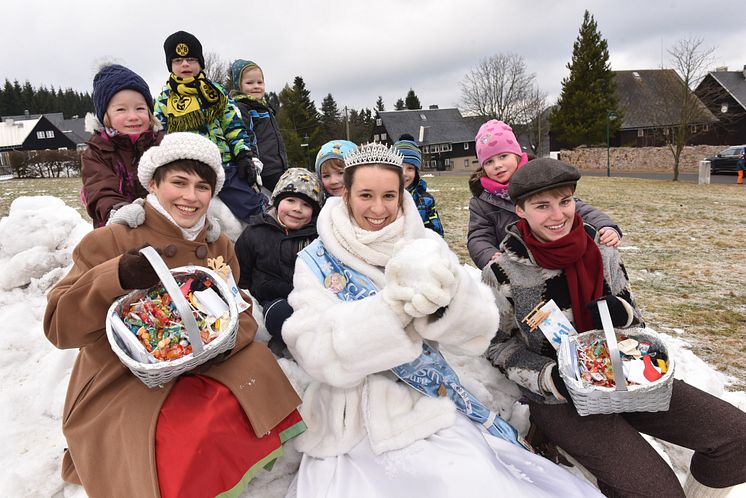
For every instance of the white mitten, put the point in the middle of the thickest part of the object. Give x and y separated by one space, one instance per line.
429 269
132 215
397 297
258 165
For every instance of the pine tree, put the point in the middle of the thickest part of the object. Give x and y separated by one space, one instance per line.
273 100
361 125
298 119
7 102
588 95
412 101
331 123
27 97
399 106
379 104
17 99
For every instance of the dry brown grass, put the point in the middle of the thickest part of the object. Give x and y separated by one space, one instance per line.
684 246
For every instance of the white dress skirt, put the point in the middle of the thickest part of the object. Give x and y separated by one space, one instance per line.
459 461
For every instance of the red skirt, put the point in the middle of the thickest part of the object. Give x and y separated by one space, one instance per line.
205 445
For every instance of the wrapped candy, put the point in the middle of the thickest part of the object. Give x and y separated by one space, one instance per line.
595 367
157 324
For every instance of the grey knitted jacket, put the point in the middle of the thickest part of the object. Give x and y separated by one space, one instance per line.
519 284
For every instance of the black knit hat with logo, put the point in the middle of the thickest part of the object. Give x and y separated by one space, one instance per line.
183 44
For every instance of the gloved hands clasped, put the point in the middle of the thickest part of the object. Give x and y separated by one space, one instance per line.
421 277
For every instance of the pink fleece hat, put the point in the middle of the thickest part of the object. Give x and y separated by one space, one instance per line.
496 137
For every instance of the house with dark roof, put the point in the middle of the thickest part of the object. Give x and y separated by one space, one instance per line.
652 106
73 128
724 93
32 134
444 136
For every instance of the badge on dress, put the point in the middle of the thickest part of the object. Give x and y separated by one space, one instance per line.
335 282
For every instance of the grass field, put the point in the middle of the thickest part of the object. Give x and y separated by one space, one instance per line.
684 246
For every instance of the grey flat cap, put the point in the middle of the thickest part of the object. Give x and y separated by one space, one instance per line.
539 175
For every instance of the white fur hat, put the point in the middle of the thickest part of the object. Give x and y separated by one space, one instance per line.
181 145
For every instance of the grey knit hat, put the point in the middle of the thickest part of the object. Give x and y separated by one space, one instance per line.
181 145
540 175
298 182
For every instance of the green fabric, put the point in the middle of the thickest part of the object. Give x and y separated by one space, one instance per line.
293 431
239 96
265 462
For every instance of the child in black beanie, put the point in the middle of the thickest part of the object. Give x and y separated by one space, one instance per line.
192 102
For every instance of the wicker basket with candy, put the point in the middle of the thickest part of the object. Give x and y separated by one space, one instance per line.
588 364
175 326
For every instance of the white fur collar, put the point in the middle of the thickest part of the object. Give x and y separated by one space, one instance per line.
412 229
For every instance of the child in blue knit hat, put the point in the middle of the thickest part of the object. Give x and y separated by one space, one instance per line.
330 166
415 185
123 127
249 94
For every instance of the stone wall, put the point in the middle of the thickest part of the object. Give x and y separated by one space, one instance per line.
639 158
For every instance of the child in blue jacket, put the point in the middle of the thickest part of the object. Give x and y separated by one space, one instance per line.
415 185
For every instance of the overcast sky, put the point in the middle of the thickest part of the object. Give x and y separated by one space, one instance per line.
355 50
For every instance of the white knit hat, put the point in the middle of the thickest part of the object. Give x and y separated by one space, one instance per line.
181 145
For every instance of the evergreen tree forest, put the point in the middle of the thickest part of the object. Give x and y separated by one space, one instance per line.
587 103
15 100
305 128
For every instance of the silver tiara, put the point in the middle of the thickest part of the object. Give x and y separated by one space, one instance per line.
373 153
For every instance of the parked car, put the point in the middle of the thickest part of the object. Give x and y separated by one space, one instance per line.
727 159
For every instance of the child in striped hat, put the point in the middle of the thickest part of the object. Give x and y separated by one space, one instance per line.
416 186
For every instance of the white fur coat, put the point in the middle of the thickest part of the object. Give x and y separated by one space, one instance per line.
347 348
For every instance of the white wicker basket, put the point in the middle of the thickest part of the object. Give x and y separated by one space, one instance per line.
157 374
591 400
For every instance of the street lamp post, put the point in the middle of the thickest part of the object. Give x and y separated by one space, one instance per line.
308 149
610 116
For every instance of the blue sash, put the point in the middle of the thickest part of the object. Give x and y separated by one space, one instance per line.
429 373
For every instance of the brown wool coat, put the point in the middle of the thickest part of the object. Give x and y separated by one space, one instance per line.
110 416
108 168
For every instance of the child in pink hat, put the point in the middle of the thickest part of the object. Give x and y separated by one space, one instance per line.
491 210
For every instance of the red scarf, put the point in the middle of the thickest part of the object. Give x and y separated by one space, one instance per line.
577 254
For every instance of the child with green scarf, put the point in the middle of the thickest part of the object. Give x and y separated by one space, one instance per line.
249 94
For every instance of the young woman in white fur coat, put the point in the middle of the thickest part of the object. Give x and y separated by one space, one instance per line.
388 284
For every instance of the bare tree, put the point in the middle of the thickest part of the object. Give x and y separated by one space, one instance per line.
536 127
501 87
691 60
218 70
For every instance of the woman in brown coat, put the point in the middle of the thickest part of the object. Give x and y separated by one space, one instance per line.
205 432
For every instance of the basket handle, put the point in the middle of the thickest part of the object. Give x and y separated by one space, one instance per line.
616 360
192 329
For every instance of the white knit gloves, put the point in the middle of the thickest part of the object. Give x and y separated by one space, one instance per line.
421 277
